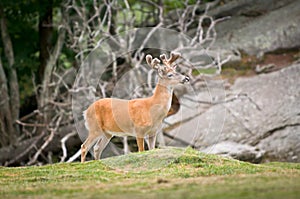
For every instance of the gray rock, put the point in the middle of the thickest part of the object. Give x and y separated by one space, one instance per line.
238 151
265 107
270 31
250 8
282 145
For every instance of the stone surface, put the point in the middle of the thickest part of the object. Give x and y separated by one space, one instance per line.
265 108
238 151
273 28
282 145
248 8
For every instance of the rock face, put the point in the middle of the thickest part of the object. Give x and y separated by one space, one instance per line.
258 27
258 119
282 145
238 151
264 113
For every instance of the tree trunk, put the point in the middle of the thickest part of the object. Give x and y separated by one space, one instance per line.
45 96
45 37
44 71
6 122
10 88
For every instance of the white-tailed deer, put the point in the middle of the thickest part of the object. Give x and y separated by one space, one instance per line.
140 117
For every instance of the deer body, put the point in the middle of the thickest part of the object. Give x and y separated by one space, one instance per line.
140 118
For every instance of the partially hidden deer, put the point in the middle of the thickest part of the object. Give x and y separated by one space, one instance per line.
141 117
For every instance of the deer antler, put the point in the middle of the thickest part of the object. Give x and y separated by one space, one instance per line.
152 62
173 57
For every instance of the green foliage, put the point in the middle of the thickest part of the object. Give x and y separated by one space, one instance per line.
21 23
22 18
188 173
204 71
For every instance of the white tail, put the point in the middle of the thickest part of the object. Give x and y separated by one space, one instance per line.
140 117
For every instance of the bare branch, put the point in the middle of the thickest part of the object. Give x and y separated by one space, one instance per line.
26 151
63 145
75 156
49 139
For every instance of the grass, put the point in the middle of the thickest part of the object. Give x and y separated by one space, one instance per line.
161 173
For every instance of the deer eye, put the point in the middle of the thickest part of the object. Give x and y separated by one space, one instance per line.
170 75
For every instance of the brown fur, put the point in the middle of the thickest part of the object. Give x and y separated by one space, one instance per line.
138 117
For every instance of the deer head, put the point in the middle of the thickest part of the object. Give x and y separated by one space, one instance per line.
167 72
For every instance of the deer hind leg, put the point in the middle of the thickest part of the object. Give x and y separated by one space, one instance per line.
100 145
88 143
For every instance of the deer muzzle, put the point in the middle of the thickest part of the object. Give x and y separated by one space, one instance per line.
186 79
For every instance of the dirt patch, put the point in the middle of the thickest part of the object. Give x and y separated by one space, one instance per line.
281 59
252 65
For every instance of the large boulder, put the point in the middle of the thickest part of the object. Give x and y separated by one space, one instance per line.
264 113
258 28
247 8
238 151
282 145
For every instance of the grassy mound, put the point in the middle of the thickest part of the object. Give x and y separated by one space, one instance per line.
161 173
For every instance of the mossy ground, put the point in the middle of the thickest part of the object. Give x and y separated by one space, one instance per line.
161 173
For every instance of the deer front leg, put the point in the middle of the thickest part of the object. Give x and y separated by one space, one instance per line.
140 143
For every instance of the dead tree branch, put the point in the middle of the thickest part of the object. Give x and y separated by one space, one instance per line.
63 145
49 139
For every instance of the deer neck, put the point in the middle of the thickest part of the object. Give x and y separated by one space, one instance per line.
163 94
